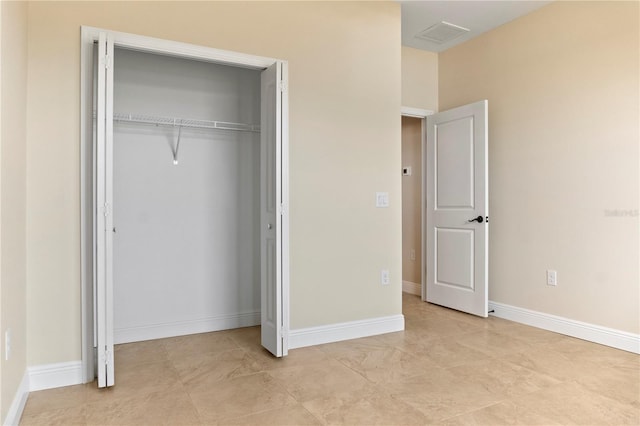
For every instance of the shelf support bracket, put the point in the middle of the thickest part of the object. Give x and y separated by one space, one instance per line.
177 146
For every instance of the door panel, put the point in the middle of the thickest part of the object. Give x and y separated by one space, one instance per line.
456 192
454 164
270 217
103 220
454 267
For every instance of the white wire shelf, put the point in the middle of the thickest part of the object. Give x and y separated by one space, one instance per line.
184 122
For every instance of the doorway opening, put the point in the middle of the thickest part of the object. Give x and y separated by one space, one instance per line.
455 207
184 194
413 140
411 205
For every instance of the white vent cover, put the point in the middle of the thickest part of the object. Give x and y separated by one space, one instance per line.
442 32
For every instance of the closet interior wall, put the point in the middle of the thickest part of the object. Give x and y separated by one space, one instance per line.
187 235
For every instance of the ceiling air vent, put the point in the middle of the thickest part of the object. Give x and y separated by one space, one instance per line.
442 32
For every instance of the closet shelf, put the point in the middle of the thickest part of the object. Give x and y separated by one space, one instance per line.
185 122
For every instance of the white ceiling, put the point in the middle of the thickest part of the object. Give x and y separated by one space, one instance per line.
478 16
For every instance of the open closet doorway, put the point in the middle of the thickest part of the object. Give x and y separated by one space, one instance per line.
413 139
184 194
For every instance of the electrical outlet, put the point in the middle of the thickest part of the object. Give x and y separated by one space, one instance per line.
552 277
412 254
384 277
7 344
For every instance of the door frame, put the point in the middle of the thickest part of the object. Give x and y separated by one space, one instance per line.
422 114
89 35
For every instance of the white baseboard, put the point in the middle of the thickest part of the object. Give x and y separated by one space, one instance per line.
344 331
593 333
412 288
183 328
17 405
55 375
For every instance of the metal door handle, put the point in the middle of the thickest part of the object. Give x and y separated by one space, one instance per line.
268 226
478 219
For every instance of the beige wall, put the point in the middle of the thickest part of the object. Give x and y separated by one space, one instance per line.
562 85
412 199
344 136
419 79
13 94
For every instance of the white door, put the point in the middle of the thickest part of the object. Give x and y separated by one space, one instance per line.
271 213
103 177
457 212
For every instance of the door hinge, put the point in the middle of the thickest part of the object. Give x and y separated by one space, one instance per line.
284 333
105 357
283 86
107 61
105 209
281 209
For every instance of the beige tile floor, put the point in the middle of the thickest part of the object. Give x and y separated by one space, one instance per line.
446 368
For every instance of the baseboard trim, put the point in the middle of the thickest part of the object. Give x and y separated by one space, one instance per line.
17 405
594 333
183 328
55 375
310 336
412 288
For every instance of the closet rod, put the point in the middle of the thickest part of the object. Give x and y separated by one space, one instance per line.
185 122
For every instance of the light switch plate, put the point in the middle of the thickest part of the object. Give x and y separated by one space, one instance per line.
382 199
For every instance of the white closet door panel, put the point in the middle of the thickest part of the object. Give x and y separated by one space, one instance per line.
104 222
271 219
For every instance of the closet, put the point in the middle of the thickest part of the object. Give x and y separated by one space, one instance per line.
184 194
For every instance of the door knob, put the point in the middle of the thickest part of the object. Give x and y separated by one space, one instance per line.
269 226
478 219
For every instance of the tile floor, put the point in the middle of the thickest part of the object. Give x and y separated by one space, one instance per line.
447 368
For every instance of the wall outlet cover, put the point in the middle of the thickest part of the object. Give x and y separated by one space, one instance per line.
7 344
384 277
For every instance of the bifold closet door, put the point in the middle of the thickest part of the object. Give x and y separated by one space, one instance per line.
103 232
273 223
271 210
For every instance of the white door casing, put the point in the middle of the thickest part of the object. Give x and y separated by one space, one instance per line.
456 182
103 213
97 285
